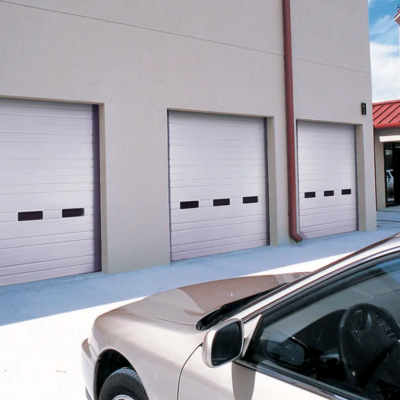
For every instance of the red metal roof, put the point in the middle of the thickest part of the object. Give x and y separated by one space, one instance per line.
386 114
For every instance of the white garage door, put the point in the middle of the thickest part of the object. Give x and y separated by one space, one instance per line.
327 179
217 184
49 190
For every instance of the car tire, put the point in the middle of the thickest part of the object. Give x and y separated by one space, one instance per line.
123 384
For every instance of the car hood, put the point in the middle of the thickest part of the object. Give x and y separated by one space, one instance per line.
187 305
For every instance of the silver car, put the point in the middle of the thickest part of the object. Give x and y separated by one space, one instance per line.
329 334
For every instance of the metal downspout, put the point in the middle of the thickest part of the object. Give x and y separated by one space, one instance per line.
290 132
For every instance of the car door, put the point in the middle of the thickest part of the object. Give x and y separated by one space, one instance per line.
336 339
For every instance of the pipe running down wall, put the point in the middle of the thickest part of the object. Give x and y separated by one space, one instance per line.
290 130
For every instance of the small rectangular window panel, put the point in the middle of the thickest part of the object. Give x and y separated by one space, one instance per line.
329 193
221 202
73 212
251 199
346 191
30 215
189 204
309 195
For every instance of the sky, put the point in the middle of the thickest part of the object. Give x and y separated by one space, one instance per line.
385 59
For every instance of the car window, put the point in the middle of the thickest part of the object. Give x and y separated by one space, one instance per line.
343 336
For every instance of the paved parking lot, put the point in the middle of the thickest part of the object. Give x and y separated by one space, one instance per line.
43 324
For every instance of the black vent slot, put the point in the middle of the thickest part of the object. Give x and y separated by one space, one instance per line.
221 202
189 204
329 193
30 215
73 212
309 195
251 199
346 191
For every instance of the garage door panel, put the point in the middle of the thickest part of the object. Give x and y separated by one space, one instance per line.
217 166
47 188
45 112
7 164
229 153
180 248
329 128
216 137
234 201
323 202
192 119
48 252
46 265
322 146
222 169
307 177
327 217
48 105
40 240
216 192
50 273
219 222
218 232
243 162
47 179
49 213
51 202
322 210
213 182
49 162
13 230
327 184
43 138
47 150
329 230
218 249
316 139
316 166
39 172
49 125
212 213
327 154
218 174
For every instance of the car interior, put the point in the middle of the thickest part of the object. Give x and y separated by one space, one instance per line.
344 335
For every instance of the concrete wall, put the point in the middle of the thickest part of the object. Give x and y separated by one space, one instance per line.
137 59
380 175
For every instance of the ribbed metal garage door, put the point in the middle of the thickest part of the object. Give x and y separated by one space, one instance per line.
217 184
49 190
327 179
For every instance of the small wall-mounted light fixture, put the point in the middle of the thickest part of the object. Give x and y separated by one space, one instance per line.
363 108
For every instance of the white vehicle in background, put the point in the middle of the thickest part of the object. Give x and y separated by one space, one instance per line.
389 180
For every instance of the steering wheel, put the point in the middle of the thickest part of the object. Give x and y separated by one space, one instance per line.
364 343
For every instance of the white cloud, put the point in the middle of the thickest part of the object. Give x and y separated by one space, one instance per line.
385 64
382 25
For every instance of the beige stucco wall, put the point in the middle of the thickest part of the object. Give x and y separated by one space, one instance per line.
140 58
380 165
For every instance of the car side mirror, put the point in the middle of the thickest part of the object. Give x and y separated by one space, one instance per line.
223 343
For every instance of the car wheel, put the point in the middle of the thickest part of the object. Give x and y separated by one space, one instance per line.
123 384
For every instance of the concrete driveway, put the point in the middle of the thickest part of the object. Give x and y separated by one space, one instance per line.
43 324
